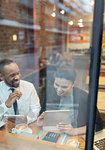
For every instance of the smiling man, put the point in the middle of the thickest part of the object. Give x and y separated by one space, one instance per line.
74 99
17 97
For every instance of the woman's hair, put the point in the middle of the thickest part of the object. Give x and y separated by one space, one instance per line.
67 73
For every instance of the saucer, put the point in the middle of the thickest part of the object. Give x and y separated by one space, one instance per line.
21 128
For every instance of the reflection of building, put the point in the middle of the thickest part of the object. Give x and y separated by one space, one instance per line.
14 26
31 28
21 22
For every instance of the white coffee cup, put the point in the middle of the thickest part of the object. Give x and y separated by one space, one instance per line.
21 127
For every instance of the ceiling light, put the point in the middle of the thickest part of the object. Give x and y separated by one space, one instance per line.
62 12
14 37
53 14
81 20
91 2
54 8
80 24
70 23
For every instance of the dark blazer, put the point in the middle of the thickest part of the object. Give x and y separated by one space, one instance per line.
81 98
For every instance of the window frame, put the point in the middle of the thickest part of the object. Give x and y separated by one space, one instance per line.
96 44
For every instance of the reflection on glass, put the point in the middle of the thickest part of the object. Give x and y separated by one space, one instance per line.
43 38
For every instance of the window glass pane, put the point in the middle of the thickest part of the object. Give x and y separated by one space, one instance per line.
100 137
50 44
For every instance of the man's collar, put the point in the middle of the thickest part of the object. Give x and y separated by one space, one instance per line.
5 85
8 87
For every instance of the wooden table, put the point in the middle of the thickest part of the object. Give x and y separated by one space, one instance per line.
104 147
9 141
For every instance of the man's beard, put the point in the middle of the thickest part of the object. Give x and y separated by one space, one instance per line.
12 83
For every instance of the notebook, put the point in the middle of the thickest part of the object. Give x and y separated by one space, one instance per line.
53 117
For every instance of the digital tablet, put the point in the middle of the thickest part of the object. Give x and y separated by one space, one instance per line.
15 116
53 117
2 123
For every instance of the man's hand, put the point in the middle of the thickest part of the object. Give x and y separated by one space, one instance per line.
66 128
40 120
12 98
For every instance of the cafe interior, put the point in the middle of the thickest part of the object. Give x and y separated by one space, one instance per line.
42 36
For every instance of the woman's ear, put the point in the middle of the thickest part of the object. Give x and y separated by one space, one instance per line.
1 77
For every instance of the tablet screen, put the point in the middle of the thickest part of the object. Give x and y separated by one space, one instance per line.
53 117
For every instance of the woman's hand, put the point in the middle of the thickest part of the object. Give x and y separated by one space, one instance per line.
66 128
40 120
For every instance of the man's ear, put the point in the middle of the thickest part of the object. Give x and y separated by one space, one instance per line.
1 77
